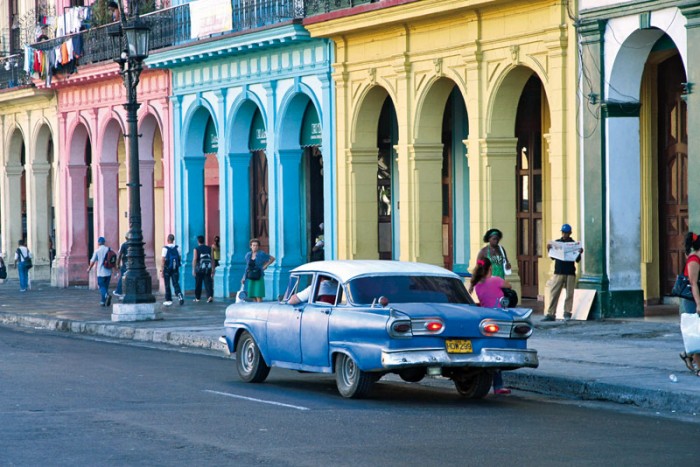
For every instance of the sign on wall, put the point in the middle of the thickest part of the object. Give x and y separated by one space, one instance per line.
209 17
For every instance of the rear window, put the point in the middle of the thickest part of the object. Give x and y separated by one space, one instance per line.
408 289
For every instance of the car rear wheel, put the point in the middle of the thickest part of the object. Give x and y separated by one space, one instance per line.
249 362
474 386
351 381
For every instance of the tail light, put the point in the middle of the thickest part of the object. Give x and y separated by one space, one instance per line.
400 328
427 326
521 330
491 328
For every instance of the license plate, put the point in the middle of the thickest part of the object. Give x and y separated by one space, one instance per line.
458 346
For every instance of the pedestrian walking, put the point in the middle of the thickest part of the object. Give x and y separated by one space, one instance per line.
256 261
216 251
564 277
170 265
121 264
23 263
495 253
489 291
104 273
203 270
692 272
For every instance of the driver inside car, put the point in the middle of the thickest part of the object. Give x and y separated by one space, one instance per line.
326 292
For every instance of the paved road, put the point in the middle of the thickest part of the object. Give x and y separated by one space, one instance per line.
68 401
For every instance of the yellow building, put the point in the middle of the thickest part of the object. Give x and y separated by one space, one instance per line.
452 117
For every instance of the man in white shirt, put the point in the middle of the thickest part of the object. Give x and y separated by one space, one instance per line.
103 274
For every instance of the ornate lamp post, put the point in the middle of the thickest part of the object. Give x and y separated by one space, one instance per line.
130 39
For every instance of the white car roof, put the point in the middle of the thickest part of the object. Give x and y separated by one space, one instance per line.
346 270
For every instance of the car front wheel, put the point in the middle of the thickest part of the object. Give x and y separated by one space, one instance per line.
351 381
474 386
249 362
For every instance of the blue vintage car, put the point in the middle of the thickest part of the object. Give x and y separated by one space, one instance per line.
364 319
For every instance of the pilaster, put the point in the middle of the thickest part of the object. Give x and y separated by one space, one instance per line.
361 208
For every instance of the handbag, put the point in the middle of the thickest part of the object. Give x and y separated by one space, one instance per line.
512 297
506 270
690 329
682 288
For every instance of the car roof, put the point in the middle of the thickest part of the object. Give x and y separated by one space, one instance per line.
346 270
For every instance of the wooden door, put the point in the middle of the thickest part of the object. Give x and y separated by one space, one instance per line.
529 186
447 233
673 170
259 197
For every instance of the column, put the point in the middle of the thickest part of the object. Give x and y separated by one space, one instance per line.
152 244
361 208
421 213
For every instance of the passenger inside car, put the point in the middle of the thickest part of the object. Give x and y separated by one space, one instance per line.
327 292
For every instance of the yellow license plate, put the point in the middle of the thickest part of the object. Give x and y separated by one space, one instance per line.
458 346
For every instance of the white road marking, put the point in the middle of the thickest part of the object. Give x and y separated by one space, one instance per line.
236 396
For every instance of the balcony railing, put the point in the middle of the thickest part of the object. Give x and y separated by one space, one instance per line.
12 72
172 27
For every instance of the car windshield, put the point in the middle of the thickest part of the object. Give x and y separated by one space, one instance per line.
408 289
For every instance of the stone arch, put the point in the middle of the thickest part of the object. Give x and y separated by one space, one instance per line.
291 112
368 109
241 118
430 109
502 108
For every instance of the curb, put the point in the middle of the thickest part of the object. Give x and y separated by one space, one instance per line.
541 383
98 328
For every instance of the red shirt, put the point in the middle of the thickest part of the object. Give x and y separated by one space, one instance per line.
690 259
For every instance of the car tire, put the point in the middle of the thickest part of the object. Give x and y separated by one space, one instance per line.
249 361
474 386
352 382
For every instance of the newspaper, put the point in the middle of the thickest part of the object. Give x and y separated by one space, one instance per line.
564 251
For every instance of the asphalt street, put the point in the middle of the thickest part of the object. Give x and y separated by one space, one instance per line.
69 401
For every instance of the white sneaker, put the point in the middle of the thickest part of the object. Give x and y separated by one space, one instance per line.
168 303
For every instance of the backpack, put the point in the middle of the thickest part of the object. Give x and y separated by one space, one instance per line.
204 264
172 258
253 272
110 259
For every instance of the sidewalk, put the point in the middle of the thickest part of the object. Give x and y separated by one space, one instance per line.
626 361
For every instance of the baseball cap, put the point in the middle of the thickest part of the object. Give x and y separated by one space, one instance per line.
566 228
101 241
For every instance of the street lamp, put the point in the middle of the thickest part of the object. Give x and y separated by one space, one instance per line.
130 40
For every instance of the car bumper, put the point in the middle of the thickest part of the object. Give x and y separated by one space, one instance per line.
487 358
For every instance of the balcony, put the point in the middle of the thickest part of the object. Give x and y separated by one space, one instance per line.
12 72
169 27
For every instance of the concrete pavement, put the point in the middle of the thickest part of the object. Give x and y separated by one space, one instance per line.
630 361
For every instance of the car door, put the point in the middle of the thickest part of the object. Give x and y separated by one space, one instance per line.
284 324
314 325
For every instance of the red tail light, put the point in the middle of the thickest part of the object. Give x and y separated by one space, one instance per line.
401 327
433 326
491 328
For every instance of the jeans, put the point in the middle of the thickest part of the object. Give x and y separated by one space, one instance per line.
103 284
122 270
497 379
23 276
208 285
173 277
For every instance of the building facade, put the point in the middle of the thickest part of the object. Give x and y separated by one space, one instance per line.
253 149
454 117
639 147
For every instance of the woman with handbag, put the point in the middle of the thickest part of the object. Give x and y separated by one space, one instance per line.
495 253
489 290
256 261
692 272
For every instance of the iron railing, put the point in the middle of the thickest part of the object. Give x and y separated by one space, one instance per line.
172 26
12 72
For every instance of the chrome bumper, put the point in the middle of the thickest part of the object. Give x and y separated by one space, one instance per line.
496 358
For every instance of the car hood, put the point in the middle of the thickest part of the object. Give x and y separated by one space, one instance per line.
451 311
